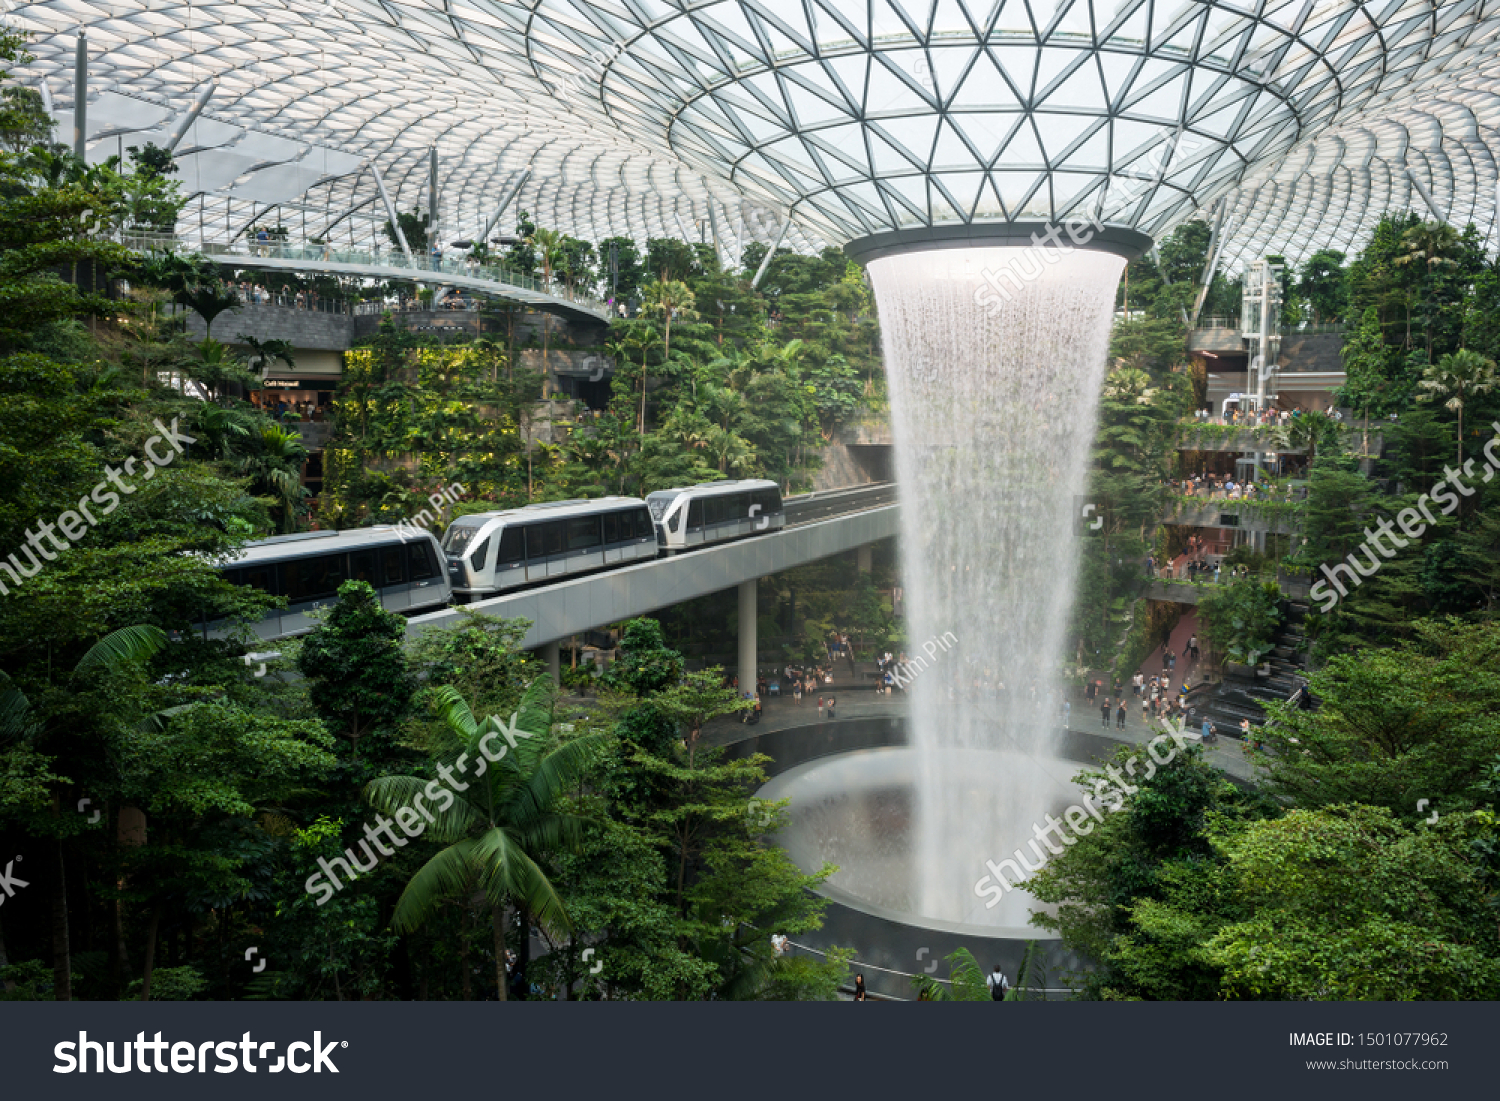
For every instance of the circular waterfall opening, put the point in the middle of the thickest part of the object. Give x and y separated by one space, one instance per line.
861 811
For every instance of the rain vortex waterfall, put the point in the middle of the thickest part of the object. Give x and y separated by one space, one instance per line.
993 408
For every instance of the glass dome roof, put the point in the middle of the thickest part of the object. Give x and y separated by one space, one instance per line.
1307 118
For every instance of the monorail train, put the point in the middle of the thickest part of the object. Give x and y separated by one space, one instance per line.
715 512
493 552
403 566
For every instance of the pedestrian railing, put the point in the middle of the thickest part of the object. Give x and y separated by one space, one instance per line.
392 259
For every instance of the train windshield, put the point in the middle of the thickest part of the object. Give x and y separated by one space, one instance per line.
460 535
658 503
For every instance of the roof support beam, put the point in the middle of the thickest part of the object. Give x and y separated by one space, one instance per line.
1437 212
390 212
80 95
192 115
513 189
776 244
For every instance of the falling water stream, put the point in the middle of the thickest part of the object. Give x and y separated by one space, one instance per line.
993 408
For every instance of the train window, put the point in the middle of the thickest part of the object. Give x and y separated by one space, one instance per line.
545 540
477 558
695 515
512 547
459 535
255 577
419 560
583 533
642 528
362 567
391 569
612 527
310 579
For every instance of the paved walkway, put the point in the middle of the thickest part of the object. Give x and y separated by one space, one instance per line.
783 713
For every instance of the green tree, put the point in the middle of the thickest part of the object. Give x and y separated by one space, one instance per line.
496 827
1461 377
1367 372
1321 282
361 681
1395 724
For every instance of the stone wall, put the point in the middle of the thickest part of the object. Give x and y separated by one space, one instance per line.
301 328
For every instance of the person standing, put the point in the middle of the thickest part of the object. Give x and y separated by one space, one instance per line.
1104 712
998 984
831 703
1120 715
820 707
859 989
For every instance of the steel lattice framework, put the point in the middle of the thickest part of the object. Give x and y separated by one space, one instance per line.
1295 122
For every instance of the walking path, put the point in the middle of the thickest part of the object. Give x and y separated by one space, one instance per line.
783 713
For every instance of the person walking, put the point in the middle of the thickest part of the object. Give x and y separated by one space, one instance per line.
820 707
859 989
998 984
831 703
1104 712
1120 715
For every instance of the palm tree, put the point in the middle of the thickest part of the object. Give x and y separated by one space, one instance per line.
671 298
494 830
645 339
549 246
276 470
1458 376
1431 244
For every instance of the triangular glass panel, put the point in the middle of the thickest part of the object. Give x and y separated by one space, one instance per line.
1080 89
984 87
951 151
1060 131
1024 151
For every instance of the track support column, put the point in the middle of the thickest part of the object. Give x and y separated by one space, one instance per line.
747 636
864 558
552 655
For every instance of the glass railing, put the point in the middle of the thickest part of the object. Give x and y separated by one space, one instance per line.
393 259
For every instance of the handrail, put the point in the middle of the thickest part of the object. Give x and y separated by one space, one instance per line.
911 975
435 265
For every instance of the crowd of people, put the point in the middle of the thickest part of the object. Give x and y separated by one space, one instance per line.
1259 418
1223 487
1158 702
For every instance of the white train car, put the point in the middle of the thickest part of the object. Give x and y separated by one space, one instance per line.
404 567
489 553
715 512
